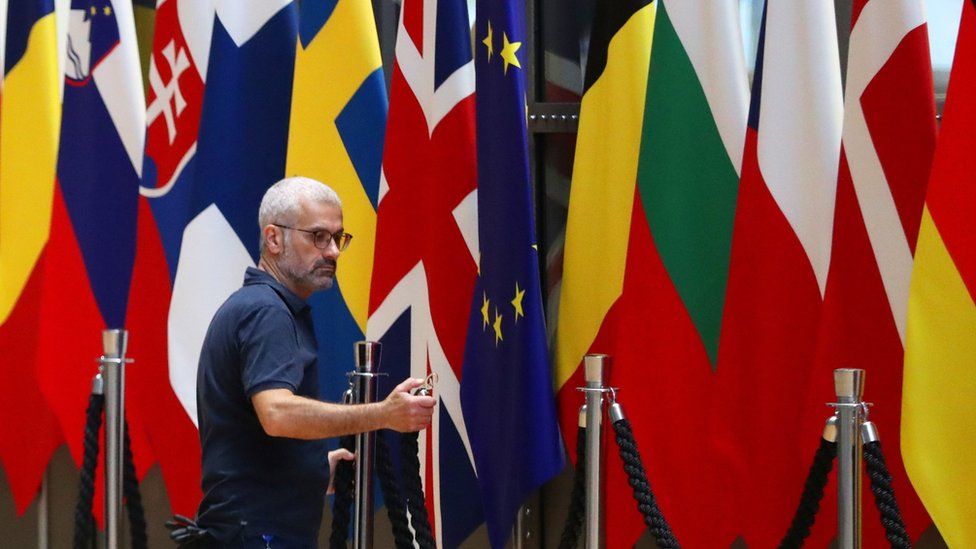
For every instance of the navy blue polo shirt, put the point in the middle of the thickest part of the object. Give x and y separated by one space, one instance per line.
261 338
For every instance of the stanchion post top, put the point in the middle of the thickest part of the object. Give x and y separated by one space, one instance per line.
597 369
368 355
849 385
114 342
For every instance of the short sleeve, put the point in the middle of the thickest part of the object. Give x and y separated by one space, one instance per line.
271 357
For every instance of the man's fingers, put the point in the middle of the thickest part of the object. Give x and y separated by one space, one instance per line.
408 384
345 455
425 401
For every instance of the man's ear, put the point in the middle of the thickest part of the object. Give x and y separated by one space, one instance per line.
273 239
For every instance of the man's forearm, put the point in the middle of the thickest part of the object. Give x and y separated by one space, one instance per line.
287 415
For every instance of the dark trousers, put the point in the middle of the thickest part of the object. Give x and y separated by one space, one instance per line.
248 540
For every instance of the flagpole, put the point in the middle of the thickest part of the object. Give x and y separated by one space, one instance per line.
114 344
596 369
849 386
43 502
364 392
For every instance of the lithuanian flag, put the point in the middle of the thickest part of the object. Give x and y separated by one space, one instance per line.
938 413
647 243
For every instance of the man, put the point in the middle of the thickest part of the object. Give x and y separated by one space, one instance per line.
265 466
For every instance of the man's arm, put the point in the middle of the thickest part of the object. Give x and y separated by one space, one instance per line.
285 414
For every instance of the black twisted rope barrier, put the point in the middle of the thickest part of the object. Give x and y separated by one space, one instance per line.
345 473
409 450
391 495
577 503
653 517
884 496
84 536
813 491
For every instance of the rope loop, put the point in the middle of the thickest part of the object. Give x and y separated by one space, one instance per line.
646 503
391 495
813 491
345 476
577 503
84 536
409 450
884 496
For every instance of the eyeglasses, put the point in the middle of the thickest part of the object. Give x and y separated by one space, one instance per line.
321 238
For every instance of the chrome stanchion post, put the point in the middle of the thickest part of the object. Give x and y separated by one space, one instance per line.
364 392
112 367
596 369
849 386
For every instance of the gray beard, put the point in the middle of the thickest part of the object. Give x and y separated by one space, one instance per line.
306 279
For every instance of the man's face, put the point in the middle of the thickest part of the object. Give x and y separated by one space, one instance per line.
308 268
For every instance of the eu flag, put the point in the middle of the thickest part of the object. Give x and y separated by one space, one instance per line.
506 389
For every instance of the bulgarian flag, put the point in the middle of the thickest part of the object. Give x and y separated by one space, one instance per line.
647 243
888 142
780 257
938 418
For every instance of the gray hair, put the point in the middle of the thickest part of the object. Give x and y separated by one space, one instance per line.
282 200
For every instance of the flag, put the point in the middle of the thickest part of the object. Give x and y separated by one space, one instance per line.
888 141
506 386
208 225
938 433
30 116
94 214
781 244
427 244
671 254
338 117
177 71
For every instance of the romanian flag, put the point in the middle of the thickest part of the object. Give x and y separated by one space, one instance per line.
938 417
338 116
30 118
648 242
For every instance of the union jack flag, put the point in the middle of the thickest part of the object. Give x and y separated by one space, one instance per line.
426 258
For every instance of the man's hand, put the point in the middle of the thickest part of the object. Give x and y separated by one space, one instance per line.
335 456
407 413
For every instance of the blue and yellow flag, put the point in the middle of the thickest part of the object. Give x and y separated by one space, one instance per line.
506 388
338 115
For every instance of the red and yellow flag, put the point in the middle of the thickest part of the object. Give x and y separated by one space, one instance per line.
938 417
30 118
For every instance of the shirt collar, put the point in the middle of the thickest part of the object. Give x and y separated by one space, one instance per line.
291 299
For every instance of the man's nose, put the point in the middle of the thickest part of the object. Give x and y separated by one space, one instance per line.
331 250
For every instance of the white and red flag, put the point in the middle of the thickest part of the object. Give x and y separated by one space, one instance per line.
780 256
888 145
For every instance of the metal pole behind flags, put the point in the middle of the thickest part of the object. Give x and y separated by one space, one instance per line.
112 365
364 392
849 386
596 367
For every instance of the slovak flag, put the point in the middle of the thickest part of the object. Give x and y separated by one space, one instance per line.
177 75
